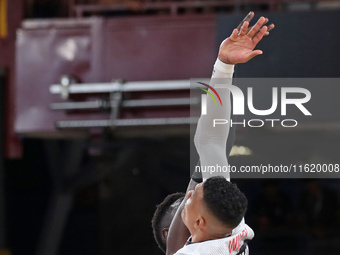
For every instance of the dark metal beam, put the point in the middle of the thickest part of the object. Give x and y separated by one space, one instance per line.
2 170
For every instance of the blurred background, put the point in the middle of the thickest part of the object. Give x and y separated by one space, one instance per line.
95 121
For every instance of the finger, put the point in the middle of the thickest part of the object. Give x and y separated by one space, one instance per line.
234 34
253 54
248 18
256 27
244 28
260 35
271 27
265 22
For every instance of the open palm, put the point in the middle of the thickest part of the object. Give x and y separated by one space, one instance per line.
239 47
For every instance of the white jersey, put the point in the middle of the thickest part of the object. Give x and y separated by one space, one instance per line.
227 246
211 146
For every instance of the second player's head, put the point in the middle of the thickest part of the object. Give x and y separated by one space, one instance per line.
214 208
163 216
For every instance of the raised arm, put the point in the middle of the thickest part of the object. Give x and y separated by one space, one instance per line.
211 141
178 232
223 68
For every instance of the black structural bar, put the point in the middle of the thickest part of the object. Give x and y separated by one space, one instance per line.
2 169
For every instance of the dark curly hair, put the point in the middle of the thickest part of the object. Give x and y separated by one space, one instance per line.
161 210
224 200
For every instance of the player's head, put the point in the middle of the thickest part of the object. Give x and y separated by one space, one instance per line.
214 207
163 216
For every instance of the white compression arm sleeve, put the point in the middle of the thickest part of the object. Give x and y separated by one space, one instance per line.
211 141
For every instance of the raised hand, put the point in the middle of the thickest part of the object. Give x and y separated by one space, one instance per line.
249 17
239 47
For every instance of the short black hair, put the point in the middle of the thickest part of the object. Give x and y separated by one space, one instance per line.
159 215
224 200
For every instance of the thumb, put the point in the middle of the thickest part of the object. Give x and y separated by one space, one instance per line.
253 54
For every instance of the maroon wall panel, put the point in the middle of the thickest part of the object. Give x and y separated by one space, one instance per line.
166 48
43 55
99 50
